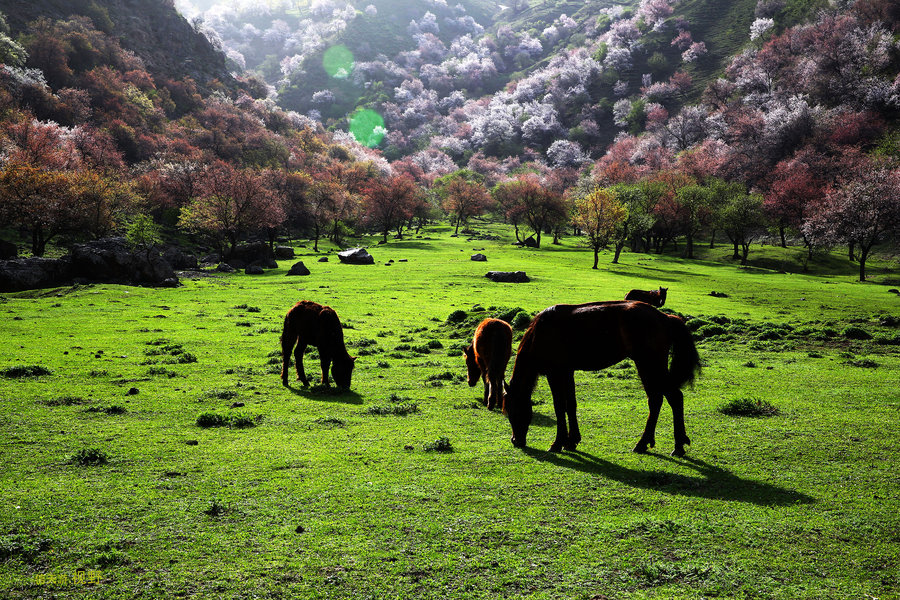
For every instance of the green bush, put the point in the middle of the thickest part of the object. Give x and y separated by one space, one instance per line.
749 407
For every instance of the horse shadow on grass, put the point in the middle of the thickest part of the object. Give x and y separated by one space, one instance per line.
326 393
712 482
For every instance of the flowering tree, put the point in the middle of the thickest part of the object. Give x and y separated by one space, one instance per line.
863 210
526 198
462 195
390 203
231 202
598 215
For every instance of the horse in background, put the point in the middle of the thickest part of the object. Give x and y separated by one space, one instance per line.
487 357
652 297
311 324
566 338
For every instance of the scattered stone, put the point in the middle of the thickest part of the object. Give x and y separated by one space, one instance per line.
225 268
403 260
298 269
284 252
508 276
894 291
237 404
191 442
479 257
300 529
356 256
132 392
254 270
718 294
323 259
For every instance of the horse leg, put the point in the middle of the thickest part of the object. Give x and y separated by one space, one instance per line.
495 393
651 377
298 358
486 400
676 401
562 386
325 361
286 348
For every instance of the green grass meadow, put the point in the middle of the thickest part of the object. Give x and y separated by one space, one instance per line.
405 486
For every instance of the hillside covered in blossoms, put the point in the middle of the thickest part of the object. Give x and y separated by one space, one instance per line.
329 118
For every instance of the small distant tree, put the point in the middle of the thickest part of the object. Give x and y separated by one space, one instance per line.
528 199
462 195
742 220
389 203
599 215
143 234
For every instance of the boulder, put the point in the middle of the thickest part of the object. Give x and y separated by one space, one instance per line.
479 257
33 273
323 259
298 269
508 276
225 268
356 256
255 253
254 270
112 260
180 259
8 250
284 252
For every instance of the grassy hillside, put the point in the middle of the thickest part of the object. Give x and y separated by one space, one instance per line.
314 493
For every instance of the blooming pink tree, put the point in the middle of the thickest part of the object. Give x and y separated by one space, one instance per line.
863 210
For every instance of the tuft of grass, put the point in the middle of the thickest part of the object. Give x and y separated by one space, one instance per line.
209 419
114 409
19 372
215 509
405 408
65 401
89 457
442 444
749 407
330 422
856 333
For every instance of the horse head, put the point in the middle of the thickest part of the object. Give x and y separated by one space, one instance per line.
342 371
474 372
519 412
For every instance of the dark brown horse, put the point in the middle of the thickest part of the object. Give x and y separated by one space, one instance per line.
487 357
566 338
311 324
653 297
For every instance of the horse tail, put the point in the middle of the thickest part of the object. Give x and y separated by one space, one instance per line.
685 364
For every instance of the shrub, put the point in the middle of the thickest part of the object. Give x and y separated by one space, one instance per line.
442 444
521 321
243 421
212 420
89 456
457 316
855 333
435 344
865 363
215 509
749 407
24 371
709 331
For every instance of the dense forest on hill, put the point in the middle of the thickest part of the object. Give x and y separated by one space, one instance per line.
688 118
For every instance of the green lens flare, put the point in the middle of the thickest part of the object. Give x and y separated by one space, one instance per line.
338 61
367 127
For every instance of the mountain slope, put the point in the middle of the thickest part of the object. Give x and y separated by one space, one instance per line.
152 29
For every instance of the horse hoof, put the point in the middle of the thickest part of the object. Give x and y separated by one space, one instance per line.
556 447
678 451
640 448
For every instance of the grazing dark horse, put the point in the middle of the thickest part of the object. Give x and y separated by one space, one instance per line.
566 338
311 324
487 357
653 297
